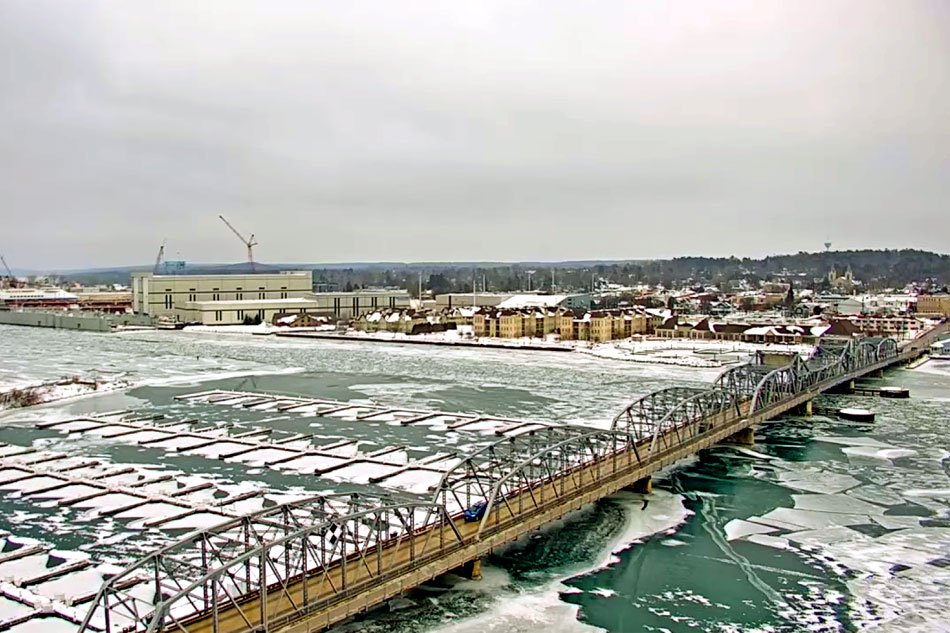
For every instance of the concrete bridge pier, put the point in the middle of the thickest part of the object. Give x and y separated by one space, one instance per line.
745 437
845 387
643 486
472 570
805 409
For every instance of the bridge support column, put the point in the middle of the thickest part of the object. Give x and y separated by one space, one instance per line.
643 486
805 409
878 373
472 569
745 437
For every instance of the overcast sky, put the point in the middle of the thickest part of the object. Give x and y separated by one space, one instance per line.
365 131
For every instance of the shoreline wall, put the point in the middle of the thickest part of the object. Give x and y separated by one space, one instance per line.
84 321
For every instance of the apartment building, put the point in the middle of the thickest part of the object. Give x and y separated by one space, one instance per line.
933 305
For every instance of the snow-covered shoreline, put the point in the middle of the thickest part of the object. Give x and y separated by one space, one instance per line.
647 350
51 391
686 353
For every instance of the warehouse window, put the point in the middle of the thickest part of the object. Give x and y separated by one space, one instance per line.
217 315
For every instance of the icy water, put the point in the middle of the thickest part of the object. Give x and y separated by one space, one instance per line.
821 526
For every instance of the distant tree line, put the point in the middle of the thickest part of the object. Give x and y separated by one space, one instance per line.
877 269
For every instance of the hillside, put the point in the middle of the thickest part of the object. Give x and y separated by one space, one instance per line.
877 268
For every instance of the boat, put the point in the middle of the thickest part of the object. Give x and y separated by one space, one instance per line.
37 298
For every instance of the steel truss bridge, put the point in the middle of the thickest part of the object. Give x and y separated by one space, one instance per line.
306 565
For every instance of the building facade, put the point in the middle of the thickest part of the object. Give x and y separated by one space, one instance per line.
189 298
350 305
238 312
933 305
162 295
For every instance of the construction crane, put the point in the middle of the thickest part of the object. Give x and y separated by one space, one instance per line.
250 243
160 257
9 272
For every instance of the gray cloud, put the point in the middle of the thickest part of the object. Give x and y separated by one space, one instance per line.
508 130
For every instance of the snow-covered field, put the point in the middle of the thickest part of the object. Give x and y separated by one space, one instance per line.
654 351
686 353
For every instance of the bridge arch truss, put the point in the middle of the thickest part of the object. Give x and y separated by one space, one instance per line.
282 553
278 553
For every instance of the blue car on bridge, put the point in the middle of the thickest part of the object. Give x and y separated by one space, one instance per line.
476 512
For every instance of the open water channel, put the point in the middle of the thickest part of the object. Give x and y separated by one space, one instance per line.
822 526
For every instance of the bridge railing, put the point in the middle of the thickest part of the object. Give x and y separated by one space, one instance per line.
832 359
286 557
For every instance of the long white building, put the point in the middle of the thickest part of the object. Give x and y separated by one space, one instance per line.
230 299
161 295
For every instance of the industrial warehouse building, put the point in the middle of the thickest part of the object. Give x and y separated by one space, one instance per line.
160 295
238 312
230 299
350 305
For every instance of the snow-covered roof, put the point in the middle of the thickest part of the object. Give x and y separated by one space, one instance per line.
533 301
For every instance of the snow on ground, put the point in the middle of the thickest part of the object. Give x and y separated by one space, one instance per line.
685 352
462 336
263 328
41 393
